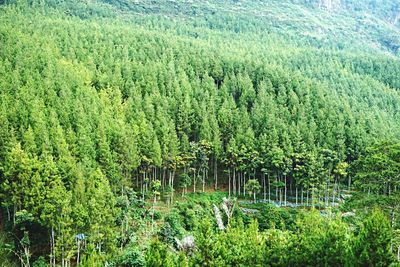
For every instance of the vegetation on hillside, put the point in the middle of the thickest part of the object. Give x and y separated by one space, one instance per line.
114 115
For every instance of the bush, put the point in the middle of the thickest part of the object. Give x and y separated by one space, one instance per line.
273 217
159 255
40 262
132 257
372 244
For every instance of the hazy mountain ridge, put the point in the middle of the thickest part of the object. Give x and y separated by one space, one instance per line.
371 25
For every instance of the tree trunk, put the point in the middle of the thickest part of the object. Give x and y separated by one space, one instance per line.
280 191
234 181
398 253
269 189
8 214
239 190
143 186
137 179
229 182
334 193
312 197
78 253
276 188
285 190
172 186
326 194
216 173
14 212
62 246
204 180
26 252
194 181
244 183
52 250
393 218
264 187
163 179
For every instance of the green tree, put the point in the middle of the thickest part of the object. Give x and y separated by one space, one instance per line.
185 181
101 212
373 242
158 255
253 187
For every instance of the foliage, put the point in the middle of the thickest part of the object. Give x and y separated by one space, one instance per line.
253 187
271 217
108 105
132 257
159 255
373 243
378 169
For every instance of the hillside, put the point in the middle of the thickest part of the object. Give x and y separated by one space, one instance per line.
116 118
341 24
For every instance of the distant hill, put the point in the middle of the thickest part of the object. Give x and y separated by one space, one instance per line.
369 24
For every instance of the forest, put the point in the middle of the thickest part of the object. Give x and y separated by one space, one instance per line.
199 133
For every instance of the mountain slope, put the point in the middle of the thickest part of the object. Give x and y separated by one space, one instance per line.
365 24
99 99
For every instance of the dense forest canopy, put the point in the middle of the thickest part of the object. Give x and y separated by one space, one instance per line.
112 110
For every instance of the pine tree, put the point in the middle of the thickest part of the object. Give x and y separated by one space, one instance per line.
373 243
